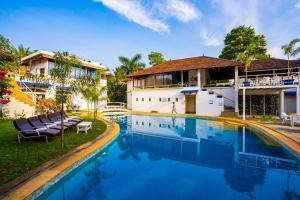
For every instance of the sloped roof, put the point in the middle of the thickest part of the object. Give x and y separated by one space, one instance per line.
50 55
272 63
201 62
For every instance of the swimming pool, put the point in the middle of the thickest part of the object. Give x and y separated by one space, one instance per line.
158 157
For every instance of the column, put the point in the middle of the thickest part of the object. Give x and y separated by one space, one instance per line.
236 89
281 102
298 100
181 78
244 103
198 78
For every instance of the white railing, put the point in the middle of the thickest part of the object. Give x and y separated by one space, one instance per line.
113 108
270 79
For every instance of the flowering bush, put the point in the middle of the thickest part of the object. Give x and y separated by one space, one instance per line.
4 91
47 105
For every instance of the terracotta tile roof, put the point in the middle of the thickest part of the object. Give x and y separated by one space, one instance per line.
201 62
273 63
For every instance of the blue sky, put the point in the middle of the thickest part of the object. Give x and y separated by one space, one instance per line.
101 30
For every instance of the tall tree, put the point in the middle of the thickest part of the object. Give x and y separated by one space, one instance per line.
116 89
290 50
248 55
133 64
155 58
239 39
61 74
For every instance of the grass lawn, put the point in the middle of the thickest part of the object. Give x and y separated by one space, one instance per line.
18 158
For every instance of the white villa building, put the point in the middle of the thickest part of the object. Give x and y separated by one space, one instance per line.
34 83
216 87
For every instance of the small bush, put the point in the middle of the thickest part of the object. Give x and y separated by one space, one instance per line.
47 105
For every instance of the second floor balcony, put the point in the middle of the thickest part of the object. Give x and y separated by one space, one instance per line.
271 78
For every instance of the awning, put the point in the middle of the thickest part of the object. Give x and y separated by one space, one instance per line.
34 84
65 88
291 91
189 91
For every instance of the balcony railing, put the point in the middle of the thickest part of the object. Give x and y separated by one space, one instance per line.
278 79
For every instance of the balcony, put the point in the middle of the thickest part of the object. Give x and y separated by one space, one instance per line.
268 80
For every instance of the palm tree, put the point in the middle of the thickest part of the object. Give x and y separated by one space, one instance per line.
131 64
290 50
21 51
248 55
91 89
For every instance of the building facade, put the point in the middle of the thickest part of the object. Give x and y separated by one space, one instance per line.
35 80
212 86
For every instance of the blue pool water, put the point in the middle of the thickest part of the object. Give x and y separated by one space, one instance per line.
183 158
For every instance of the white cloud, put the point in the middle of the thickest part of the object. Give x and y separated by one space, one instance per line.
276 52
210 40
297 5
238 12
182 10
135 12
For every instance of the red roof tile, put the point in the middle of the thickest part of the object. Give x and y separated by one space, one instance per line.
201 62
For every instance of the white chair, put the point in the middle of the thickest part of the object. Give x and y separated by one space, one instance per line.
295 120
285 118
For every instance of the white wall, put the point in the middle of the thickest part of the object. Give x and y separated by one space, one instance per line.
155 105
209 104
206 104
227 93
129 94
17 108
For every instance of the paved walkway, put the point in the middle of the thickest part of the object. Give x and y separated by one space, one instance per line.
289 131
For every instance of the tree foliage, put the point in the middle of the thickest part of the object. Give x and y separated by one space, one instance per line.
116 89
238 40
61 73
155 58
91 89
290 49
129 65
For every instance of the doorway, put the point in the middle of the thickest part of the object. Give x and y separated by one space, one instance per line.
190 104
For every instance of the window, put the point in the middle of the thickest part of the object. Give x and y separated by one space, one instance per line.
149 99
159 80
176 99
42 72
169 99
149 81
137 99
50 67
167 79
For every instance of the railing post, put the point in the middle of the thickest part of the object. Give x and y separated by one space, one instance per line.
236 89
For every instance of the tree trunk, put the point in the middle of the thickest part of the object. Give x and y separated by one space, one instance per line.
95 111
289 66
62 123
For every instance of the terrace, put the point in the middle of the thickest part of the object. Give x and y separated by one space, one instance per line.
217 77
271 78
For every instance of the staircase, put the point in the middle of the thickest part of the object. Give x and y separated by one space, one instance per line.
19 95
229 112
21 104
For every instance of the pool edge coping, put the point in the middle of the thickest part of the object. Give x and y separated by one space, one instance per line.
56 167
291 145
